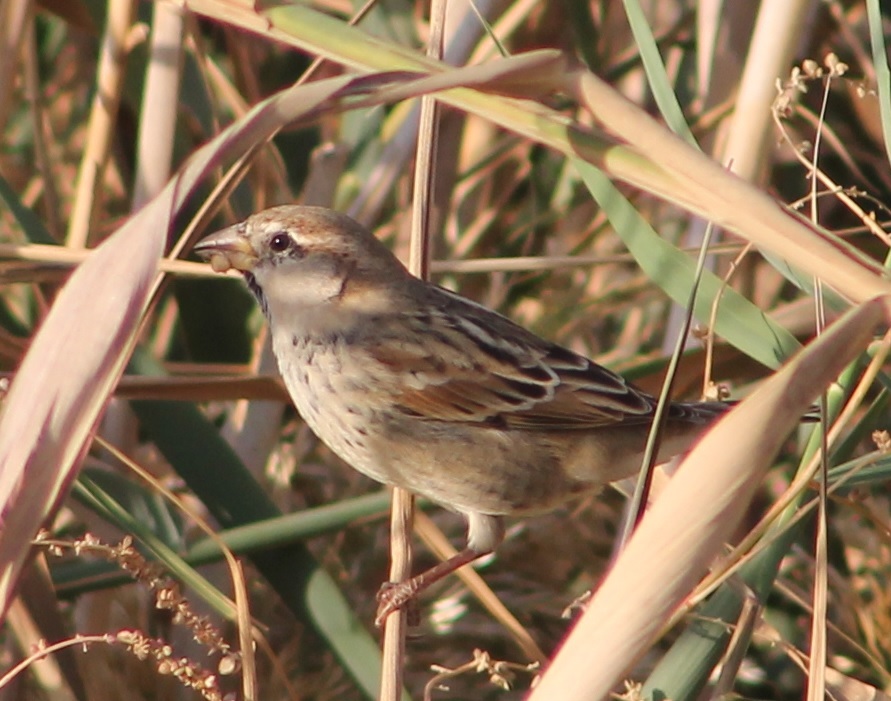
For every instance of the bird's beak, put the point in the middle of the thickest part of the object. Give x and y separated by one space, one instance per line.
228 248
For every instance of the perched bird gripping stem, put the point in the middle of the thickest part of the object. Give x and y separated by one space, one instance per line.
420 388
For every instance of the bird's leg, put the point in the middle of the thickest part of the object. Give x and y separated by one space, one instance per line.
484 533
394 595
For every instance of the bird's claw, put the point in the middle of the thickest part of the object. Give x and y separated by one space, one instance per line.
394 596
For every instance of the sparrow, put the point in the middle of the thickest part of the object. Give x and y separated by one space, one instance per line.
420 388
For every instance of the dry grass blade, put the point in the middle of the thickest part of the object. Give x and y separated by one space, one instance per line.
15 17
110 82
744 151
424 208
57 395
695 515
846 688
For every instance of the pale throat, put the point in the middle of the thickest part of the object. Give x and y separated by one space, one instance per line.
321 306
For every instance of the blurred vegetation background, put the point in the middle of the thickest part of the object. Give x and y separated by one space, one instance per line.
100 102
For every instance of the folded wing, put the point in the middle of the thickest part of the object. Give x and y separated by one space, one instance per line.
477 366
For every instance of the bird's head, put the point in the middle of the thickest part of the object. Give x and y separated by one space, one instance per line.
307 261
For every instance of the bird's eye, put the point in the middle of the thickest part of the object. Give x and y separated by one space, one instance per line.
280 243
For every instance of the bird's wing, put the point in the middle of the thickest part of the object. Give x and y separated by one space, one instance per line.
464 363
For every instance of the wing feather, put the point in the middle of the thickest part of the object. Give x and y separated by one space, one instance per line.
474 365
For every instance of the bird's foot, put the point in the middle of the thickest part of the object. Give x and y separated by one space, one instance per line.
394 596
